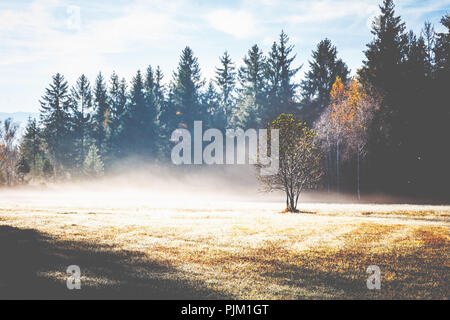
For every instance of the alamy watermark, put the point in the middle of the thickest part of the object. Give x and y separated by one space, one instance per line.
374 280
73 281
236 143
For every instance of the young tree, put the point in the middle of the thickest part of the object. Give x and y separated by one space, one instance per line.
299 160
56 121
93 164
22 168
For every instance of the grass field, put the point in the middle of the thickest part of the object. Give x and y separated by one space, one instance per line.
158 248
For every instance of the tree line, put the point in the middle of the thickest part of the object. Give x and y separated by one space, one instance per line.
383 130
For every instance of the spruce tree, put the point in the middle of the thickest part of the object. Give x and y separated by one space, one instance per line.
383 72
81 105
102 116
211 101
31 146
55 119
323 70
281 88
225 80
185 94
117 102
251 93
138 134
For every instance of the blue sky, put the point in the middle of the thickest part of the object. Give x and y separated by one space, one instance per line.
41 37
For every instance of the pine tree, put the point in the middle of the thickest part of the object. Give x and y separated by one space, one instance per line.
138 134
55 118
281 89
81 105
383 72
102 116
442 49
210 100
439 97
225 80
323 70
429 35
30 147
251 94
185 93
117 103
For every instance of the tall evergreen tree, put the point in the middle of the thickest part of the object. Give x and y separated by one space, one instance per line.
117 103
55 119
323 70
429 35
439 97
280 74
81 104
102 116
383 71
185 94
211 101
251 93
159 90
225 80
138 134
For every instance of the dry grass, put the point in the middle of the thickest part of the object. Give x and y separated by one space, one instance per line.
239 250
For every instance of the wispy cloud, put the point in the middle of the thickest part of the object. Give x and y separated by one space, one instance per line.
239 24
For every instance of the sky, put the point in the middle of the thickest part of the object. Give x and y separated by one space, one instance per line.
39 38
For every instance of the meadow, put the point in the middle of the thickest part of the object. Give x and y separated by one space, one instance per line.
141 245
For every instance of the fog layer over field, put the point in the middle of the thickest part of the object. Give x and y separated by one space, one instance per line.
155 188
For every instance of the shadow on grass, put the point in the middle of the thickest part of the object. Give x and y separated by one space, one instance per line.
30 261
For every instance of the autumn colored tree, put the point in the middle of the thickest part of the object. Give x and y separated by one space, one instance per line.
363 105
342 112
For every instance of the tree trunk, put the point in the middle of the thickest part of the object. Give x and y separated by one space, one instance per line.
357 175
328 170
292 207
337 165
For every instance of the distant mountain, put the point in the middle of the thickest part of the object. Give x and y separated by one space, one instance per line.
21 118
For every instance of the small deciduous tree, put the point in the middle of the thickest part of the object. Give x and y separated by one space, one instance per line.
8 152
299 160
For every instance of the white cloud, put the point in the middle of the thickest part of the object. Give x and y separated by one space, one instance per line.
239 24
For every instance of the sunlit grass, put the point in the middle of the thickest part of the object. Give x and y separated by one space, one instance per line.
252 251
